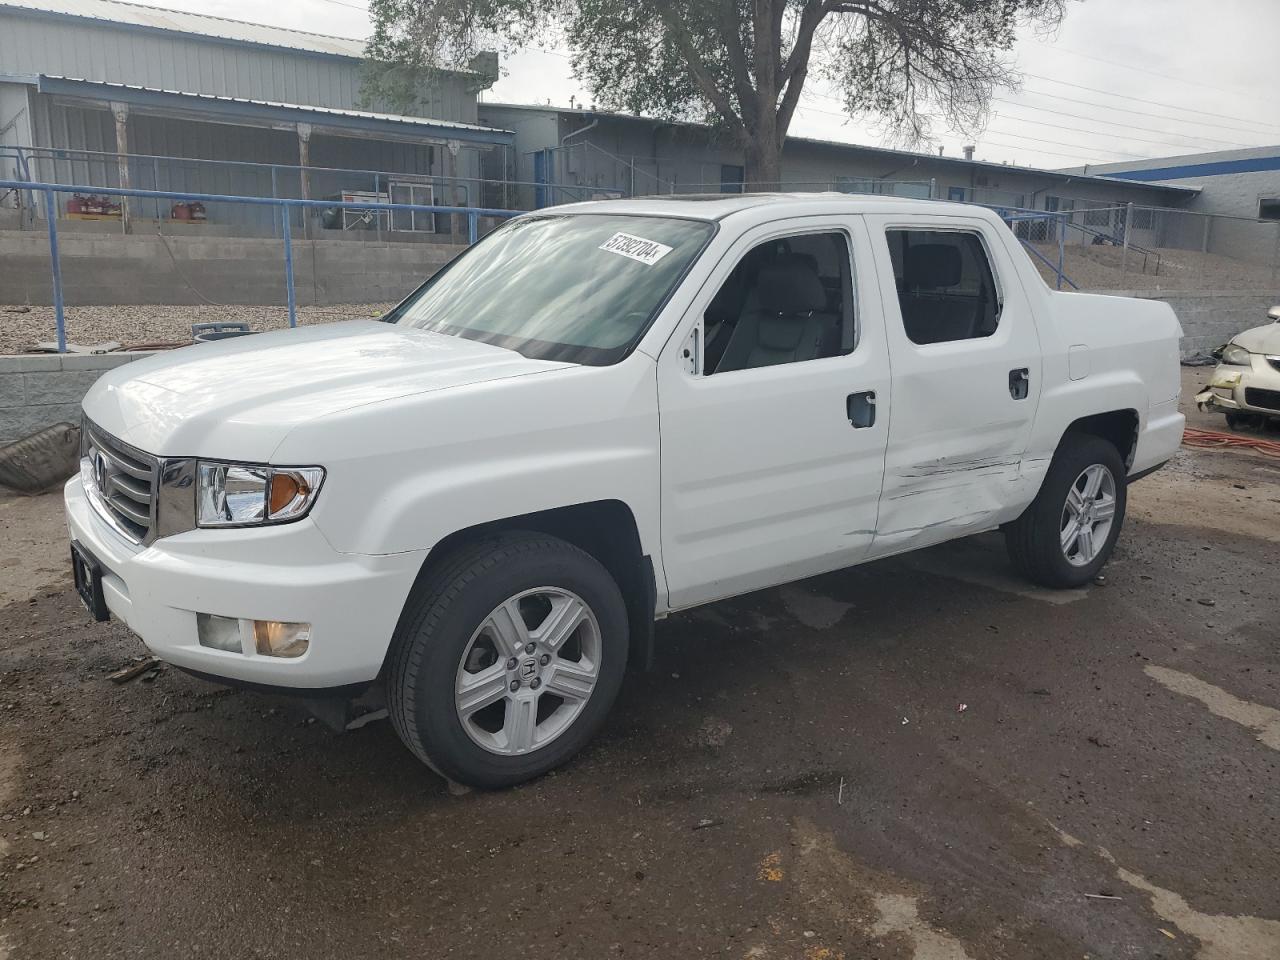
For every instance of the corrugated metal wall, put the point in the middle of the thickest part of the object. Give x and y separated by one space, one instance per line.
92 51
71 127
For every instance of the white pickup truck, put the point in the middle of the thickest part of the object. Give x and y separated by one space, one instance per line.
598 415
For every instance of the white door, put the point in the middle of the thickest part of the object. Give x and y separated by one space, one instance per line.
966 379
774 405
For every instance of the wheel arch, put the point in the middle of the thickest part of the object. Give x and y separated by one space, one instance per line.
605 529
1117 427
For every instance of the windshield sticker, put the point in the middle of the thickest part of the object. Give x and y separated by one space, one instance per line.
645 251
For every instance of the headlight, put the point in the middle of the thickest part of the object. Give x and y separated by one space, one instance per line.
1236 355
244 494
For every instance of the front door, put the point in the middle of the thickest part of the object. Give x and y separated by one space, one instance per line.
774 411
966 379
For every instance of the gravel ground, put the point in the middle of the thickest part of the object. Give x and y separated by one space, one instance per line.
132 325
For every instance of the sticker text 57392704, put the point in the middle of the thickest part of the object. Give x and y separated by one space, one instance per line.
645 251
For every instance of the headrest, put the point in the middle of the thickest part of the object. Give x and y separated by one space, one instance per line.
932 265
790 284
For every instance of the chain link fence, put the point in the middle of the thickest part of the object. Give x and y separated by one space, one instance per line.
1106 246
1140 248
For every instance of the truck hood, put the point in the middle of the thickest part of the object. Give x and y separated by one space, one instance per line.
237 399
1260 339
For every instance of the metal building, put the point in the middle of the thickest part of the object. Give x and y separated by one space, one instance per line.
571 154
108 93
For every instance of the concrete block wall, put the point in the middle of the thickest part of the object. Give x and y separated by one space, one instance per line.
1210 318
186 270
39 390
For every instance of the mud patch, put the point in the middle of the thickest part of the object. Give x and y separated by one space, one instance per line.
900 914
1264 721
813 610
1221 937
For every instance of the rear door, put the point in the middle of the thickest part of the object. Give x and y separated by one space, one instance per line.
774 410
966 378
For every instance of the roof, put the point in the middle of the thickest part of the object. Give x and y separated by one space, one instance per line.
135 15
207 104
911 157
1215 164
717 206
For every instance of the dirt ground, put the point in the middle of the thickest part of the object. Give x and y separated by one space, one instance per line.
917 759
1111 268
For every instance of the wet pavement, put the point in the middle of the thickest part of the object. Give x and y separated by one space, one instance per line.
918 758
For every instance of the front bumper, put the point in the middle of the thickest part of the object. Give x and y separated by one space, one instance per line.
1239 389
287 572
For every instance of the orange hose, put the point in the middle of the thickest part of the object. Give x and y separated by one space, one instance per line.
1212 439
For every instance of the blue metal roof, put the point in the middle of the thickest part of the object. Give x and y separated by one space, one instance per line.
208 104
1210 168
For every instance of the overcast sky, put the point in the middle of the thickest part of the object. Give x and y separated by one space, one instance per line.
1121 80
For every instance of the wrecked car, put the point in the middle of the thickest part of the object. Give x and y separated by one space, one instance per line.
599 415
1246 383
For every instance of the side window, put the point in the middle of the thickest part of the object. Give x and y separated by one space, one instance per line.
945 286
786 301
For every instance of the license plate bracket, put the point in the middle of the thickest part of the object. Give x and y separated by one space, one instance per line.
87 572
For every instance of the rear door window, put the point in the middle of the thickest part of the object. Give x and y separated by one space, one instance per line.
946 288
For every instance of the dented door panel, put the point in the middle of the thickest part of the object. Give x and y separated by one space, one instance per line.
963 410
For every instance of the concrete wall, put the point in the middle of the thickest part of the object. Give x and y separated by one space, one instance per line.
1210 318
40 390
182 270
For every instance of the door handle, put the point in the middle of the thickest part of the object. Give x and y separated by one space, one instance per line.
861 408
1019 383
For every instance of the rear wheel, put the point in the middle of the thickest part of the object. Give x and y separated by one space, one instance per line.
1067 534
507 660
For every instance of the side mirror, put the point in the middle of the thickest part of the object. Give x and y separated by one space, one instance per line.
1274 313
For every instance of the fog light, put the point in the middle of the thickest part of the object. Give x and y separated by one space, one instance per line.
276 639
220 633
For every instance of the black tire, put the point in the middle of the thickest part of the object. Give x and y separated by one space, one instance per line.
442 615
1245 421
1034 539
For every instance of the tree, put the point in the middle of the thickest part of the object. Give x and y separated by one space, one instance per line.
739 65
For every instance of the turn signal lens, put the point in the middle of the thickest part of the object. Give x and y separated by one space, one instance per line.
276 639
288 492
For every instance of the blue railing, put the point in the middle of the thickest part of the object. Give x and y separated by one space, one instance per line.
48 190
1061 219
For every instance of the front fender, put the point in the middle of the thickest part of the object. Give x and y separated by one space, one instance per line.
404 474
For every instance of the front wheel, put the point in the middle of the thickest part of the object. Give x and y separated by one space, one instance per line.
507 659
1067 534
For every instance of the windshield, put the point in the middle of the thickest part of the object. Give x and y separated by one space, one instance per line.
576 287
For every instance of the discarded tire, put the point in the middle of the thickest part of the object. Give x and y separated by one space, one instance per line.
42 460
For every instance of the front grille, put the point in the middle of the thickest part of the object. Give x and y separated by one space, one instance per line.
125 480
1262 399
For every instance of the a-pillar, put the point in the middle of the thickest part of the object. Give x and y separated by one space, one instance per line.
121 113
